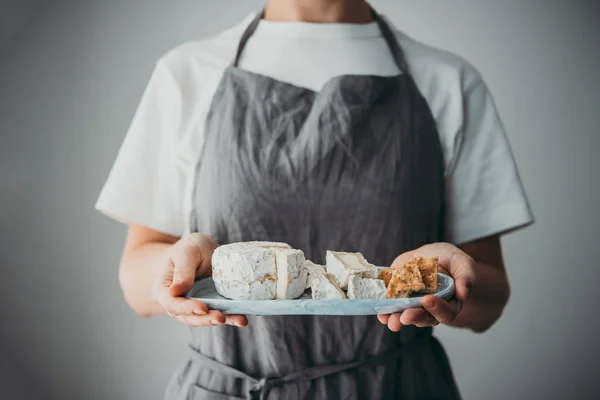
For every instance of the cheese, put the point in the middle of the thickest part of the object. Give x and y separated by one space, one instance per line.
325 287
343 265
245 271
291 273
313 270
269 245
259 271
366 288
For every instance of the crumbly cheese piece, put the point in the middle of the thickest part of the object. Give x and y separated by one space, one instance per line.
291 273
365 288
313 270
325 287
245 271
405 280
343 265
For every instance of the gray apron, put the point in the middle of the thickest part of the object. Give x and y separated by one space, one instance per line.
355 167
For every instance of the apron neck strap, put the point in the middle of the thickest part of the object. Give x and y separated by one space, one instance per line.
386 32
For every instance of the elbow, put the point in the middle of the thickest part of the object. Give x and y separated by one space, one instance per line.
126 284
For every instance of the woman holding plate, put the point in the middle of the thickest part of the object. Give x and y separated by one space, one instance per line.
319 124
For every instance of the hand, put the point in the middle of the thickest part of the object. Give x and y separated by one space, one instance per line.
190 258
454 262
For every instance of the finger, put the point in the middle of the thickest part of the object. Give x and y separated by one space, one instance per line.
443 251
442 311
175 305
182 306
418 317
461 267
236 320
394 323
186 256
207 247
166 277
213 318
463 287
456 262
383 318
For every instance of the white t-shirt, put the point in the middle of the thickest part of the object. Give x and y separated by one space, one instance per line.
151 180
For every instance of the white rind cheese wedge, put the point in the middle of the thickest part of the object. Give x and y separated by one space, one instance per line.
245 271
291 273
325 287
366 288
343 265
313 270
250 271
267 245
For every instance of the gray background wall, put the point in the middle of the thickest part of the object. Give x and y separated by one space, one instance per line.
71 74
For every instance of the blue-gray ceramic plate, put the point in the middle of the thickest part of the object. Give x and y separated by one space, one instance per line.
204 291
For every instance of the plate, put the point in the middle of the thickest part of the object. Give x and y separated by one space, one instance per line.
204 291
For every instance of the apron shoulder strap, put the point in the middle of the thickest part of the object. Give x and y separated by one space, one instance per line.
246 35
392 41
386 32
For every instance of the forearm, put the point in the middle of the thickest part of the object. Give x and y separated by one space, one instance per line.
486 303
140 268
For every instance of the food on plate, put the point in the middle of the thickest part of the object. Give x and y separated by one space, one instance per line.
366 288
276 271
291 273
313 270
342 265
259 271
386 275
405 280
417 275
325 287
429 272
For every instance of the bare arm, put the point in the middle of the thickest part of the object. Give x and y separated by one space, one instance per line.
144 258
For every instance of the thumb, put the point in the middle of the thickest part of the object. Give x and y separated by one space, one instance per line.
191 258
180 288
462 289
462 269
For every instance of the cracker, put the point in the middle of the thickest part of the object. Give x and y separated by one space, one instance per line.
386 275
429 272
405 280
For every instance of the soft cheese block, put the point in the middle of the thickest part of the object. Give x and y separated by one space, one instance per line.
325 287
246 271
291 273
343 265
313 270
268 245
366 288
249 271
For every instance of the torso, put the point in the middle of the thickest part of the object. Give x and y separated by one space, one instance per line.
357 166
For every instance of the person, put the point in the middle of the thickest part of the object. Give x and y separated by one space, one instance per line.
319 124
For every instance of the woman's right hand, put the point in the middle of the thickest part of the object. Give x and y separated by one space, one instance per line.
188 259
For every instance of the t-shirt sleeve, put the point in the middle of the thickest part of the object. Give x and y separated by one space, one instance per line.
145 185
485 195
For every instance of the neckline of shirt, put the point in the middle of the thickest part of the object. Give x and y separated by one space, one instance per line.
300 29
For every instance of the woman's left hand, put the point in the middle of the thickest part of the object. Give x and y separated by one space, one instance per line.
435 311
